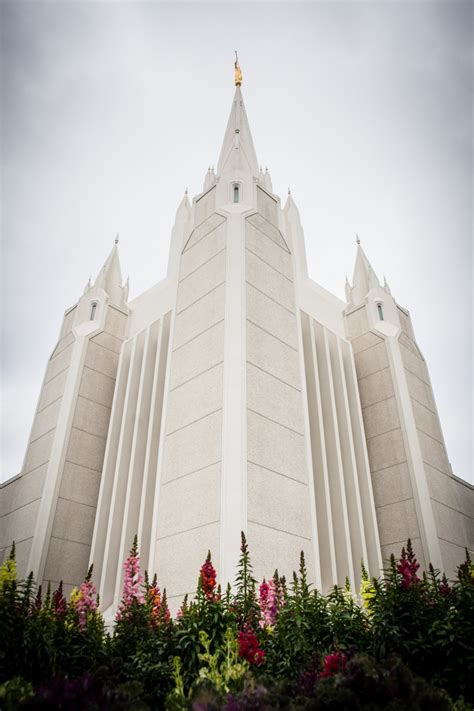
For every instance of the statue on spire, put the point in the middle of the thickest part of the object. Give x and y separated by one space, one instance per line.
238 71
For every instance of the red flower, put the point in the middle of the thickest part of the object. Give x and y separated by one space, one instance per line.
208 578
249 648
333 664
158 606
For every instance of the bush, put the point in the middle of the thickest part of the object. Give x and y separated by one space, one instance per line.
406 642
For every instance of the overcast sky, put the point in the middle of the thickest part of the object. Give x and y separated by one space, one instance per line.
110 110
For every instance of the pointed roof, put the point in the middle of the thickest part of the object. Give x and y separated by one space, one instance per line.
238 152
110 276
362 266
364 278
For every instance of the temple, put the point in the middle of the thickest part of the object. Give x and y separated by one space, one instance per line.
236 394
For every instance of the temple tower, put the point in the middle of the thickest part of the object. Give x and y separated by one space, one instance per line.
415 492
50 507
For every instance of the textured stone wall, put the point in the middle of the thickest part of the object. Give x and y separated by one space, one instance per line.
391 482
68 546
452 502
189 498
205 206
391 460
278 499
71 535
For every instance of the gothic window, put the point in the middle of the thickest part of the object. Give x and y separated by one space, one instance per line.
236 193
380 310
93 310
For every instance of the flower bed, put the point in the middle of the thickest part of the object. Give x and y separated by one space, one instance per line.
404 641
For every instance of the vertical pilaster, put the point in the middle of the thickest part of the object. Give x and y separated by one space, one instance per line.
110 461
233 518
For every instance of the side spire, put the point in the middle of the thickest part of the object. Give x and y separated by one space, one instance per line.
110 276
364 278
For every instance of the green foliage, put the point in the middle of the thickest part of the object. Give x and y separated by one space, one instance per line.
224 669
428 623
245 599
211 616
14 692
409 645
302 629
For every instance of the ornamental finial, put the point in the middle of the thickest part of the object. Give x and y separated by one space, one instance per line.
238 71
357 239
117 238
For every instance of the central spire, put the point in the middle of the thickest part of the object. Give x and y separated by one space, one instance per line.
237 158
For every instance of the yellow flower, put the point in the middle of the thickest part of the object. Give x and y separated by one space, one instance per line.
7 572
75 595
367 593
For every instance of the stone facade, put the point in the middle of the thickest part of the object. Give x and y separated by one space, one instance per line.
234 395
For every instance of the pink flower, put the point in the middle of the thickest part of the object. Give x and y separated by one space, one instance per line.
85 601
132 582
270 602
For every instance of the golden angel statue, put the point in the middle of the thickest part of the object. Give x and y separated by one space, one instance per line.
238 72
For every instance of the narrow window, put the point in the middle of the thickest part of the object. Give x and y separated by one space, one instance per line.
93 310
379 309
236 193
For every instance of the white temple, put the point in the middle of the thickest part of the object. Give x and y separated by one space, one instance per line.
236 394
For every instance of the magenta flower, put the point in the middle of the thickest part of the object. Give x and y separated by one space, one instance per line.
59 602
407 567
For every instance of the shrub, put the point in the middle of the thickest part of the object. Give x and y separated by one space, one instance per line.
406 644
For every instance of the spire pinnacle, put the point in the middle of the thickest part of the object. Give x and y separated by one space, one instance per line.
237 71
357 238
117 238
237 158
110 277
364 278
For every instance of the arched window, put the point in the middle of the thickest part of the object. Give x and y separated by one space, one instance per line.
93 310
236 193
380 310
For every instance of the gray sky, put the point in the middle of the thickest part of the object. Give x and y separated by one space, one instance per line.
110 110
